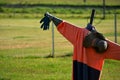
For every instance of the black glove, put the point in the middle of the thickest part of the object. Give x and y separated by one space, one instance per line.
47 19
46 22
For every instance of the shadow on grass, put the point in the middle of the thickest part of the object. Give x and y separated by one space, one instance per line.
59 56
28 57
45 56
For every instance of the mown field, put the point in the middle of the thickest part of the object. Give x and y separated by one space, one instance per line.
24 51
25 48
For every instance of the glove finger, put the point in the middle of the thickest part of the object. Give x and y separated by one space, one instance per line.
48 26
42 25
44 28
42 20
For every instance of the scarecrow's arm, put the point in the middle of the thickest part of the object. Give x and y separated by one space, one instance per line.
113 51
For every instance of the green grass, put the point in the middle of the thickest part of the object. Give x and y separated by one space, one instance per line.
24 51
68 15
28 11
60 10
70 2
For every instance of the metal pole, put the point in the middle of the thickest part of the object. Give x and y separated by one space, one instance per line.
53 50
115 22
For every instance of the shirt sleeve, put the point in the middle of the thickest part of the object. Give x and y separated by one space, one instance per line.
113 51
69 31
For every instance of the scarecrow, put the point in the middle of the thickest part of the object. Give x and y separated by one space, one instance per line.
91 48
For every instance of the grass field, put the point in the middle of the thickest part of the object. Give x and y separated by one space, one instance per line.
25 48
69 2
24 51
31 9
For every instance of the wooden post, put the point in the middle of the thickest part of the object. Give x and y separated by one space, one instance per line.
53 50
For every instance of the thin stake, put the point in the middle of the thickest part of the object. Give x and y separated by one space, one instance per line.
53 50
115 22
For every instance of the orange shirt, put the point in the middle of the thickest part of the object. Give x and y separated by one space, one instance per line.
86 61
